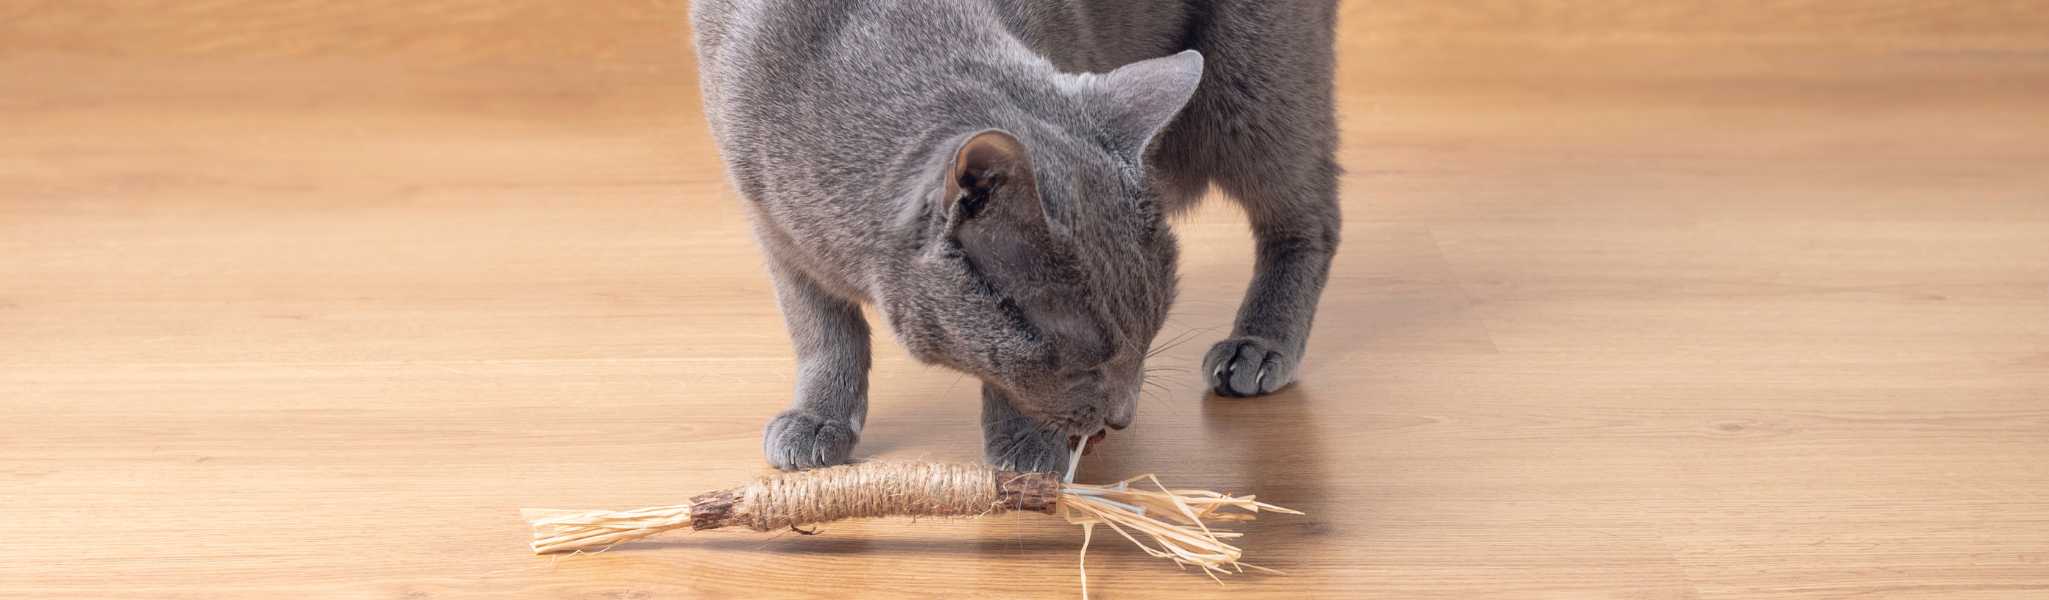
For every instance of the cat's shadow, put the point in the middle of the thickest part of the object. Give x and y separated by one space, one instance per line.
1391 287
1270 446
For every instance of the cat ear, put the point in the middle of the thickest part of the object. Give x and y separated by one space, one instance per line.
994 212
1139 99
991 174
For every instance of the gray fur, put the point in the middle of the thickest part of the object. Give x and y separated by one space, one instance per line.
994 176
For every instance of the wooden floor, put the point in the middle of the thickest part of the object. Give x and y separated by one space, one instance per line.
307 299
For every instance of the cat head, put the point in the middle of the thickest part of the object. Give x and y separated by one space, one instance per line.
1045 268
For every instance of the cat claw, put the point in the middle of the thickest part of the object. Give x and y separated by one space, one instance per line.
1248 366
797 439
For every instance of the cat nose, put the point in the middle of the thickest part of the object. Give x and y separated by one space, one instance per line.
1120 413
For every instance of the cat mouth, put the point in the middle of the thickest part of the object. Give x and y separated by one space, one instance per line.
1094 439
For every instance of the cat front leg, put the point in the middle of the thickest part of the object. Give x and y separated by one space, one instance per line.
1289 189
1263 127
831 405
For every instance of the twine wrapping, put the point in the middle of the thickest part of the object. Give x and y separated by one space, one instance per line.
871 490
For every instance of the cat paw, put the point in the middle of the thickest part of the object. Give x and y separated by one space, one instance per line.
1248 366
1025 447
802 440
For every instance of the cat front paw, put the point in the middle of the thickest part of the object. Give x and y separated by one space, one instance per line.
1249 366
797 439
1022 445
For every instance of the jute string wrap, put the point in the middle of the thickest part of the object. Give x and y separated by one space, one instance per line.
872 490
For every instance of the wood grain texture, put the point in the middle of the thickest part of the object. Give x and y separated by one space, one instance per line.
1685 301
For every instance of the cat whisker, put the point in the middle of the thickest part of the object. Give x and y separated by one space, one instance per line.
1176 341
1164 402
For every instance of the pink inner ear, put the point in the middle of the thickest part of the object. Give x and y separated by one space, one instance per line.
986 160
991 150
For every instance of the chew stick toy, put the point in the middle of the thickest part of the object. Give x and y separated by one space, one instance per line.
1177 522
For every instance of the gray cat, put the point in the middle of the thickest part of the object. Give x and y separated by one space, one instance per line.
994 176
